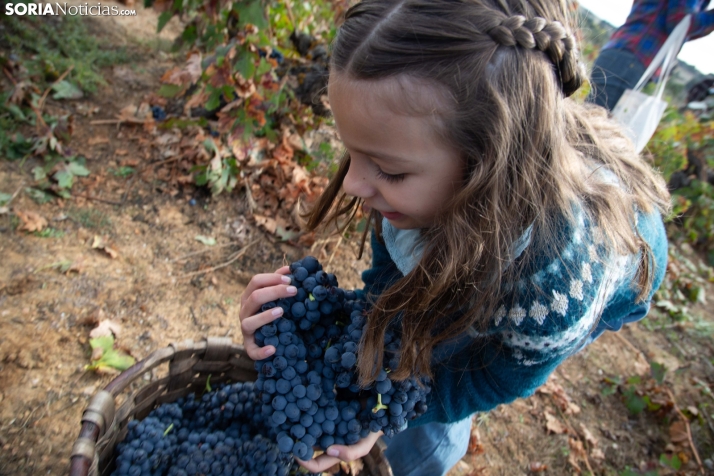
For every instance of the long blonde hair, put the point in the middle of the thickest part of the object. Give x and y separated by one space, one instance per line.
530 153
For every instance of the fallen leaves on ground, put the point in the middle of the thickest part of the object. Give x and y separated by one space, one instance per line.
475 445
31 221
560 397
100 243
106 358
106 327
553 425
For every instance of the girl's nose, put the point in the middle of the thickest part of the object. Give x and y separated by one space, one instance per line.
356 182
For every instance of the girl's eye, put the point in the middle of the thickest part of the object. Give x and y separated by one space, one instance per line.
389 177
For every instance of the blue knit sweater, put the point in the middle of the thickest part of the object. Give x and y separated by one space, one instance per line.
583 292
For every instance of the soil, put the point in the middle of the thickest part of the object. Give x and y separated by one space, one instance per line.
46 315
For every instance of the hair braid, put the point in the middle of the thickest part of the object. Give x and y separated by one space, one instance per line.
549 37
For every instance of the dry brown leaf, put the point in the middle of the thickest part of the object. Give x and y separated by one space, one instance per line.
560 397
592 441
553 425
100 243
577 453
352 468
597 454
98 140
475 445
678 432
105 328
538 467
31 221
268 223
121 152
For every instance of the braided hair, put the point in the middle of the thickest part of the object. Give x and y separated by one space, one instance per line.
550 37
504 70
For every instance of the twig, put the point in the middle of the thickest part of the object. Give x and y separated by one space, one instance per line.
15 194
573 432
339 242
195 253
97 199
689 430
99 122
9 75
193 316
233 258
41 104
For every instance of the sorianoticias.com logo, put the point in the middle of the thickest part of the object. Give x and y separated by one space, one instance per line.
65 9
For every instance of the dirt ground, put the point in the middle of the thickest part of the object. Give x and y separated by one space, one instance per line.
45 315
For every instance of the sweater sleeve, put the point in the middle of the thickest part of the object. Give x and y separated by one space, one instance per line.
543 319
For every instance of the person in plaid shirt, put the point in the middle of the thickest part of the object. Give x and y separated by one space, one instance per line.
633 46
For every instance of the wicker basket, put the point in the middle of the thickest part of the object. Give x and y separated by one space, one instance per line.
189 365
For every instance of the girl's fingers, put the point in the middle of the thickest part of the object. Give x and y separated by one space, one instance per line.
283 270
251 304
255 352
262 281
337 453
251 324
319 464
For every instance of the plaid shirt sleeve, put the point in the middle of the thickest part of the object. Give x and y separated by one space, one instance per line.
702 22
651 21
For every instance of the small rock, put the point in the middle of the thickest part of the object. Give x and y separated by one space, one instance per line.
709 463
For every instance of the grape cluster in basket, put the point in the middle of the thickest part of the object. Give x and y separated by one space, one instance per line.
306 396
219 433
309 387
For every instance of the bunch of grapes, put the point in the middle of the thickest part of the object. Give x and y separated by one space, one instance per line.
309 387
219 433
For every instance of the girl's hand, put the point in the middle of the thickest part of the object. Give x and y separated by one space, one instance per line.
337 453
261 289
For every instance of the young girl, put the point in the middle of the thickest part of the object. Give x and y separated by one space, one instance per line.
512 226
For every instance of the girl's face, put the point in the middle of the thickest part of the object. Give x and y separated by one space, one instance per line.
399 165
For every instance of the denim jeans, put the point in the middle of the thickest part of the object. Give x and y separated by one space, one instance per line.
428 450
614 71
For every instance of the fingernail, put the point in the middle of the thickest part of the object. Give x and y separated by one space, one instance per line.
333 452
286 280
277 311
292 290
269 352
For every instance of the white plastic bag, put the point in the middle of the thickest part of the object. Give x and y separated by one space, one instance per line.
639 112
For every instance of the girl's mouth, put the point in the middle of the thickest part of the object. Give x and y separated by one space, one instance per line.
392 215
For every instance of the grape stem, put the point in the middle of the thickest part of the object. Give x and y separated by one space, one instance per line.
171 427
379 405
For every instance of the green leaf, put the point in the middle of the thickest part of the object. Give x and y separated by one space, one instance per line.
252 13
169 90
263 67
658 371
634 403
111 357
245 65
39 196
116 360
66 90
672 462
104 342
214 100
206 240
39 173
77 169
164 18
64 178
4 198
